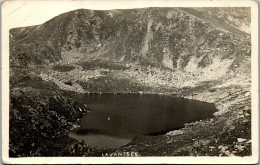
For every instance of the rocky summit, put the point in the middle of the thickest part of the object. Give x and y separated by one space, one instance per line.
197 53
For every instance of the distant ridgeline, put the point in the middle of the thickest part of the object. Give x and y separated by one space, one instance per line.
163 37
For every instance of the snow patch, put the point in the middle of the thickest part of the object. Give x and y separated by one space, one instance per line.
167 61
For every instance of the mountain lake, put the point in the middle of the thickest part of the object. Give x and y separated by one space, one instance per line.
115 119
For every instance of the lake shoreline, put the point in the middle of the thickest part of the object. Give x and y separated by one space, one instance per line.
227 100
117 117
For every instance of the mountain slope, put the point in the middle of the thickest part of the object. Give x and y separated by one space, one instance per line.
187 40
160 36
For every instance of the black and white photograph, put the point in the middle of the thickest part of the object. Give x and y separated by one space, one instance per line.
130 81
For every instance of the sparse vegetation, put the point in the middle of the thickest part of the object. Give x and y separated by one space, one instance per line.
63 68
98 64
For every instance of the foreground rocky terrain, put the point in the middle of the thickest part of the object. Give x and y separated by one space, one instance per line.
195 53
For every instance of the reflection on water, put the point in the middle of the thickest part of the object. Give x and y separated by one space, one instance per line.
101 140
116 118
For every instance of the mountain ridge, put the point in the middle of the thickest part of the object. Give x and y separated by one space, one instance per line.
123 38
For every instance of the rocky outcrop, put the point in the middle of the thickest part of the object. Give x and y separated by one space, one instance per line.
37 121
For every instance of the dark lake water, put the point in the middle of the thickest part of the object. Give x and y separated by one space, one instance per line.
115 119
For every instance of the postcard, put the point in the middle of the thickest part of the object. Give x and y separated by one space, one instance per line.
102 82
